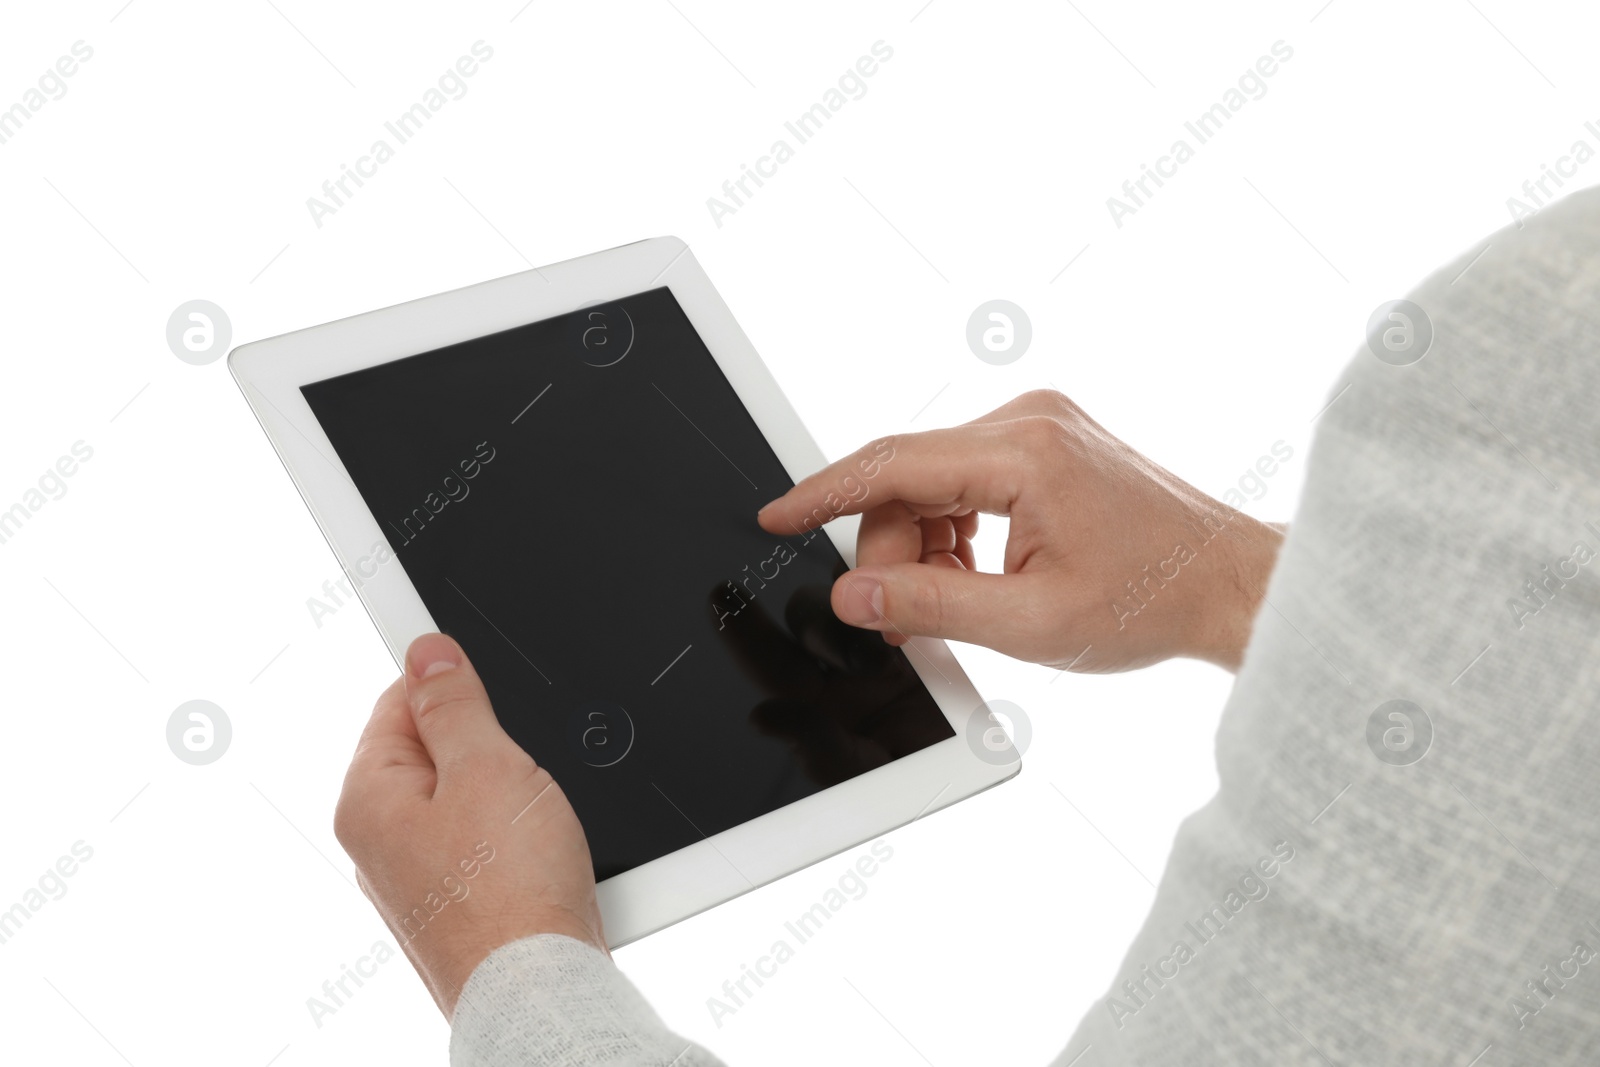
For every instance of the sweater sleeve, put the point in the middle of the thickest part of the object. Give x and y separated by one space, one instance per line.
1401 864
551 1000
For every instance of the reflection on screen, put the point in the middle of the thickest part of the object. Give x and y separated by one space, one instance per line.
575 502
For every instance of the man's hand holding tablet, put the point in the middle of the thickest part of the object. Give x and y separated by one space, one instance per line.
460 839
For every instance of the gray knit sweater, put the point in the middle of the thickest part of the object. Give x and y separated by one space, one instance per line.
1374 882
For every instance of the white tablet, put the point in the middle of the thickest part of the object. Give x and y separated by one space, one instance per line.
562 469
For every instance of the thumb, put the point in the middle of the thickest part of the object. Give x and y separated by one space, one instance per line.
454 719
919 599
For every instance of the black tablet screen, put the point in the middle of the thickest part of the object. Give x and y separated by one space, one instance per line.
575 501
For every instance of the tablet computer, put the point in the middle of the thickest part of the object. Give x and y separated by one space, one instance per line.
561 469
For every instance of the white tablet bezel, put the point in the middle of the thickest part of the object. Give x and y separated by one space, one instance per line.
683 883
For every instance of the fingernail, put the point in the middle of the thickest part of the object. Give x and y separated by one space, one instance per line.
862 602
762 510
432 653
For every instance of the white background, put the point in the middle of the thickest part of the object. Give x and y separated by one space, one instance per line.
179 562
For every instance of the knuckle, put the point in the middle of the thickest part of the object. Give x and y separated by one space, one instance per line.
1042 399
436 703
514 764
343 831
351 823
1051 402
1040 435
928 608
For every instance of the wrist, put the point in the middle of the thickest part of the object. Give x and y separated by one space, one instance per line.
1245 552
